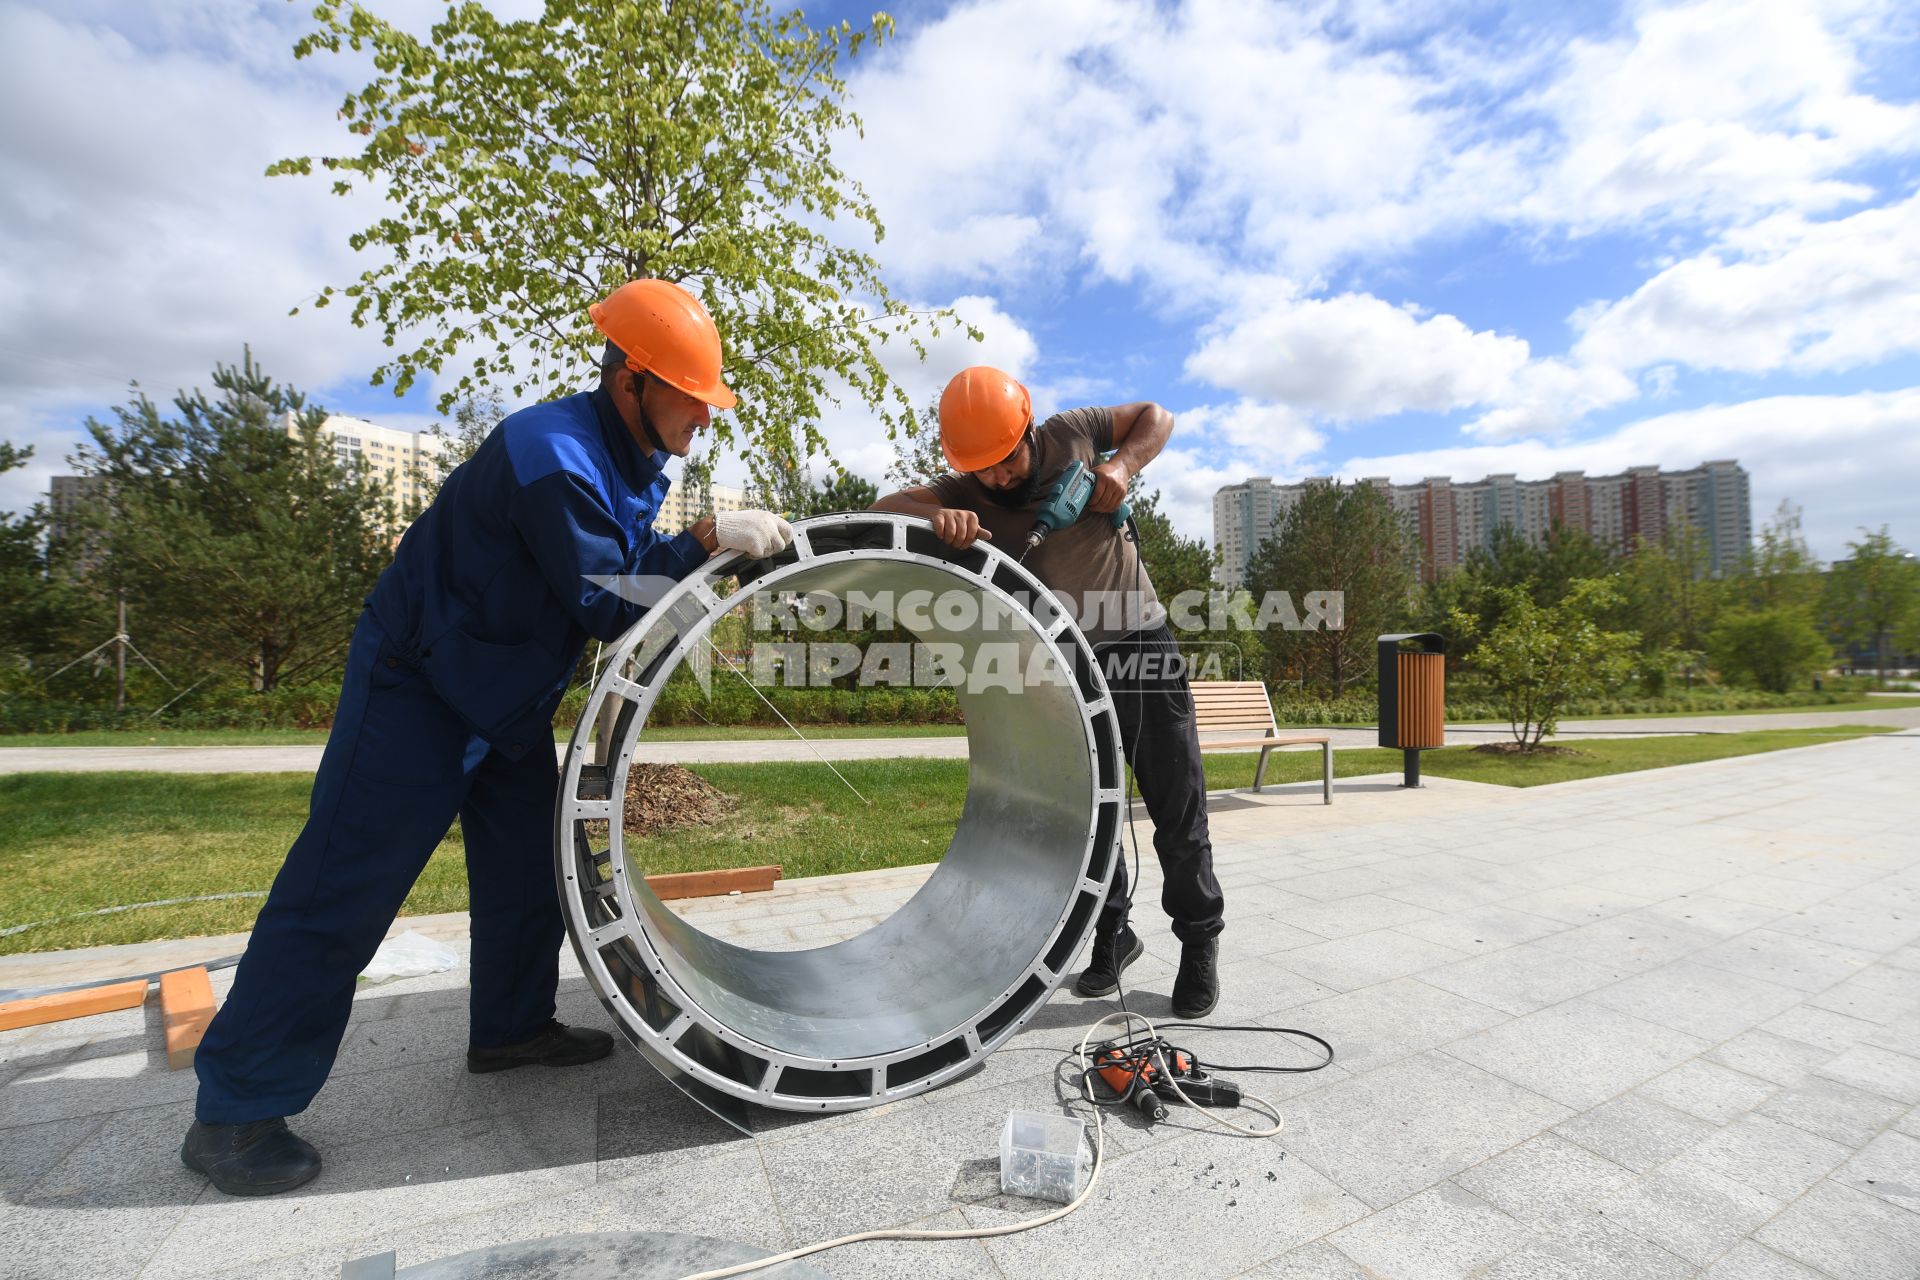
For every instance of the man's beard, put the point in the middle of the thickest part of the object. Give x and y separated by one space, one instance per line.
1026 492
1020 495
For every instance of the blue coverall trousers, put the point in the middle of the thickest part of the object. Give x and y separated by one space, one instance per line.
399 765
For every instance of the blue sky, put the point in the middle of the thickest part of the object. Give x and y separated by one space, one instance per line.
1352 239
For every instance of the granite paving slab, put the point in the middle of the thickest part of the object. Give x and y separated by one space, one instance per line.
1651 1025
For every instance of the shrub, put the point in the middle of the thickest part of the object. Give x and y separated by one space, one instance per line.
1776 649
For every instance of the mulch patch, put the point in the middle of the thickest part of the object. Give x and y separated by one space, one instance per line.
1541 752
663 797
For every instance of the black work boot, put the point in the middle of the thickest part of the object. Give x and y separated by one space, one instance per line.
262 1158
1196 988
557 1045
1112 953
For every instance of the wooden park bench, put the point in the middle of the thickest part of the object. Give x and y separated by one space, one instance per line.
1242 708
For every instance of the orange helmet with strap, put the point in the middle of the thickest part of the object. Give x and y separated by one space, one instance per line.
983 414
665 331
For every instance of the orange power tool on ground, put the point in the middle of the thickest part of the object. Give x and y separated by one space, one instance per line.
1144 1074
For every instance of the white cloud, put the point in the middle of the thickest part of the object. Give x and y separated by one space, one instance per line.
1548 395
1718 110
1185 145
1004 343
1221 444
1356 356
1785 294
139 236
1195 148
1159 144
142 240
1272 437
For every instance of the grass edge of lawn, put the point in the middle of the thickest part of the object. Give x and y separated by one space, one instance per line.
1898 703
1590 758
774 733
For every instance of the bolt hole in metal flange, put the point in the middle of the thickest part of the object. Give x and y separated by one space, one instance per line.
922 997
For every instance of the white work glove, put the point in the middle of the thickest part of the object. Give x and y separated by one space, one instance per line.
758 533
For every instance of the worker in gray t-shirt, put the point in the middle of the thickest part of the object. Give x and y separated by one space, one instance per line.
1003 466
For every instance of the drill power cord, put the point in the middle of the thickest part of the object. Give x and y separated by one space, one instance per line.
1011 1228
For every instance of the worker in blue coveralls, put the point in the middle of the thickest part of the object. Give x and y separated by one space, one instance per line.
454 674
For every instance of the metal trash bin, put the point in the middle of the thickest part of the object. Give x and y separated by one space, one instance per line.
1413 696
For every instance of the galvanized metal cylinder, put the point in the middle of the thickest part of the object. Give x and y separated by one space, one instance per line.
926 994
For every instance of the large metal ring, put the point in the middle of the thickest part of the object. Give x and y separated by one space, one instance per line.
925 995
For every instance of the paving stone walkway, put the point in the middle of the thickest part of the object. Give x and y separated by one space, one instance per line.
305 759
1651 1025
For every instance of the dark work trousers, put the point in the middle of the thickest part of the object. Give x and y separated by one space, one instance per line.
399 765
1154 706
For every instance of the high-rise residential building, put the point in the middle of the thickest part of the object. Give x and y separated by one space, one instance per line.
1452 520
1569 501
1438 530
405 459
685 504
1244 516
1716 499
65 495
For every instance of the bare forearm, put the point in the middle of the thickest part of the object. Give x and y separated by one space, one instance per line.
1146 436
955 527
909 502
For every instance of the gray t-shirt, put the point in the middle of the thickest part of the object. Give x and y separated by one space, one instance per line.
1092 566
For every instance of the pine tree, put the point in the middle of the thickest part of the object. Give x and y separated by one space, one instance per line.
1343 538
241 541
38 610
845 492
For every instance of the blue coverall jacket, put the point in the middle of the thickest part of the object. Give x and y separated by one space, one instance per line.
452 679
493 591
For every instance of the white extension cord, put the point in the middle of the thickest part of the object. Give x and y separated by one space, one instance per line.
1013 1228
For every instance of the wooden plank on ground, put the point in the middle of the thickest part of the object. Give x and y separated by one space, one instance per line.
714 884
72 1004
186 1007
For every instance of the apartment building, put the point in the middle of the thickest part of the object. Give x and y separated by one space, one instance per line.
1453 519
405 459
1245 515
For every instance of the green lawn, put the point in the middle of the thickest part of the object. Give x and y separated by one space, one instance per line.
802 817
76 842
72 842
1597 756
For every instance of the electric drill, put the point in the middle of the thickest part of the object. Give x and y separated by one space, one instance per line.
1065 502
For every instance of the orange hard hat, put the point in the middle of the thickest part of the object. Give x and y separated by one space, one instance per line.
665 331
983 414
